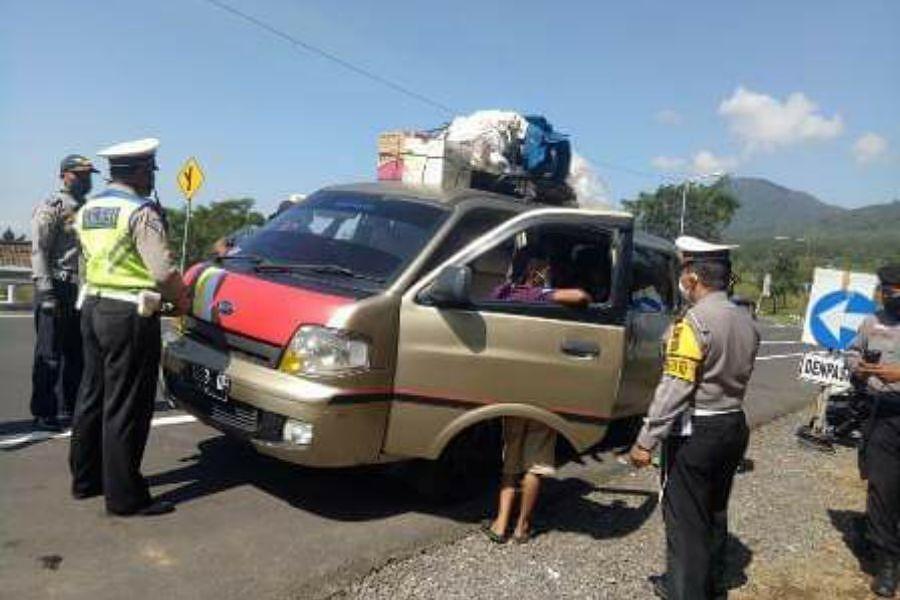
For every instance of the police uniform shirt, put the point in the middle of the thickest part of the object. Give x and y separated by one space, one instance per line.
709 360
54 242
880 332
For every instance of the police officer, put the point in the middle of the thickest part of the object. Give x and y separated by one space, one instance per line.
697 416
129 271
874 359
56 371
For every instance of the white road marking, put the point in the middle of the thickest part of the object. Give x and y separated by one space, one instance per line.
780 342
777 356
17 439
16 316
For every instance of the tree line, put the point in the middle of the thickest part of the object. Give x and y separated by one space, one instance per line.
708 210
209 224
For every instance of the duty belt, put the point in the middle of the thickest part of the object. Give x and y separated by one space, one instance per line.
122 295
706 412
65 276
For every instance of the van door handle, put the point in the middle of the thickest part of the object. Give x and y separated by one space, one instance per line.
580 349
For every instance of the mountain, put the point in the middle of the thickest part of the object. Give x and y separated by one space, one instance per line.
876 220
769 210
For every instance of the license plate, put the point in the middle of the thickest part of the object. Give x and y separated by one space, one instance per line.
212 383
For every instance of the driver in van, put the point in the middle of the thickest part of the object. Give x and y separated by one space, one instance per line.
529 447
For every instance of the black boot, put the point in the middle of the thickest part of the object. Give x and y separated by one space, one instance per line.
659 585
885 582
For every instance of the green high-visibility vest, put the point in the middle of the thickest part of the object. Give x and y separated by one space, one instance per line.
112 261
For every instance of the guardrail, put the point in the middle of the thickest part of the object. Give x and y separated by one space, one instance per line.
12 278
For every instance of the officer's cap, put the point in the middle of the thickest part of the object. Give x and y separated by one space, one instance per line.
889 274
132 154
76 162
696 250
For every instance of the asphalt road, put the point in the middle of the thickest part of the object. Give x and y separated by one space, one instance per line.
245 526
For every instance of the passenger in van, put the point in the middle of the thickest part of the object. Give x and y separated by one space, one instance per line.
534 285
593 270
529 447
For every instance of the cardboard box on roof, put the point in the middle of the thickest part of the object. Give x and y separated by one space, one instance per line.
391 142
390 159
419 158
429 160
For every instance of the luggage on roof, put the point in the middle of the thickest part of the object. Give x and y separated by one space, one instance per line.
498 151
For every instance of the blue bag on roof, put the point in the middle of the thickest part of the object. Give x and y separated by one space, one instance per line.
545 153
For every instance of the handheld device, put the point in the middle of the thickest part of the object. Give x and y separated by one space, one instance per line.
872 356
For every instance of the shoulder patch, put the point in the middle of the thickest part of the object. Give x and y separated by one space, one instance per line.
683 353
100 217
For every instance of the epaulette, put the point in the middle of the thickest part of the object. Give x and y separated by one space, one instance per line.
696 323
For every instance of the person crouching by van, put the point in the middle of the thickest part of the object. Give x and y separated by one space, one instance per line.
529 447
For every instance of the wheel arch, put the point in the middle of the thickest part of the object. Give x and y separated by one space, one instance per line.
483 414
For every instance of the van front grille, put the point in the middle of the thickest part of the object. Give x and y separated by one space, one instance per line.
237 417
260 353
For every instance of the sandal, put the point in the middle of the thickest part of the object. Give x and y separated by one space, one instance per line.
531 534
522 539
494 537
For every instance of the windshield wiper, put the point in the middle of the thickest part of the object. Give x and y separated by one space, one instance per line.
275 267
254 258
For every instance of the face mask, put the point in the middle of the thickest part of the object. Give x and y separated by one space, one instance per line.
685 293
80 187
892 305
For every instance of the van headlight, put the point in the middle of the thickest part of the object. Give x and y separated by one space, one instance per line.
316 350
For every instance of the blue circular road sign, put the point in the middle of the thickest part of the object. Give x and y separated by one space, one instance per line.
836 316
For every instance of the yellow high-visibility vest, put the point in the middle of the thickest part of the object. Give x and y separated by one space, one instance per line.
112 261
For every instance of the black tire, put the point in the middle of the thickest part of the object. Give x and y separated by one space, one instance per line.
468 466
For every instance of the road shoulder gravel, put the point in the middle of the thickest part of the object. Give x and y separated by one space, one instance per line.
794 522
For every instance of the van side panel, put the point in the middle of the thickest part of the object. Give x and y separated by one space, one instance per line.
454 360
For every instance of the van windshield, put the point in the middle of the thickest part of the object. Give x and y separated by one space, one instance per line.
362 238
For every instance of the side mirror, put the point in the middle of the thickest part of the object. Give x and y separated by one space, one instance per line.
452 287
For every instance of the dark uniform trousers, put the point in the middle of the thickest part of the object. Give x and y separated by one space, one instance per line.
56 371
699 472
115 403
882 457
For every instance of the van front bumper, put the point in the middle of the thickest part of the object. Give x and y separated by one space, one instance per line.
260 401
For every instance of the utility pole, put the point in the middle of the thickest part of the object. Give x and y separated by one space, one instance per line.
684 192
684 188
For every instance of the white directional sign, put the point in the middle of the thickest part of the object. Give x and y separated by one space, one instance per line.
824 369
838 303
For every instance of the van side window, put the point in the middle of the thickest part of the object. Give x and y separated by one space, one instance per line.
471 225
651 281
526 270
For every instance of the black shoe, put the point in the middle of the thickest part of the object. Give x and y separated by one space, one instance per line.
152 509
660 590
85 494
48 424
157 507
885 582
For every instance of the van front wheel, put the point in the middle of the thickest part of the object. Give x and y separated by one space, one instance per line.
468 466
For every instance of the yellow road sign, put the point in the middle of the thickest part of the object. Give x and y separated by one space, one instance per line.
190 178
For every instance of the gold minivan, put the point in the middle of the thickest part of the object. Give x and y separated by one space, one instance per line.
364 325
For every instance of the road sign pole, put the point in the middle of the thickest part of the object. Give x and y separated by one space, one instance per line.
190 178
187 229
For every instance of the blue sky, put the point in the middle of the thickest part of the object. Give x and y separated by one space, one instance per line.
806 94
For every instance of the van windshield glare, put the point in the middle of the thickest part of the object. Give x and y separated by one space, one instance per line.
374 237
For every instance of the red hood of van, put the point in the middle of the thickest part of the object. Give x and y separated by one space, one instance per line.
260 309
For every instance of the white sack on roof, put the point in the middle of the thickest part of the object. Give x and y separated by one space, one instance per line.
487 134
590 190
